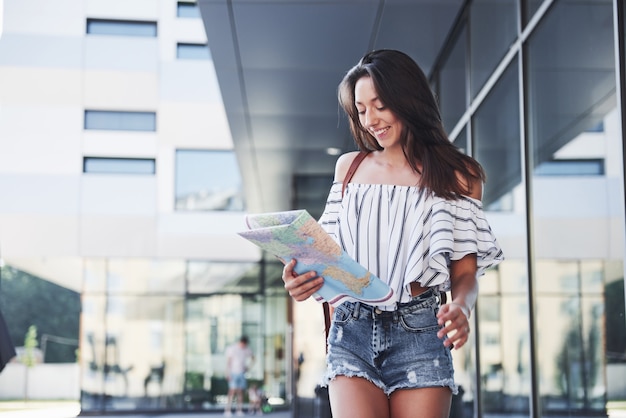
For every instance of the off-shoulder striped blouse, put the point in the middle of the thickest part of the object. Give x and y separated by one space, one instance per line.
404 234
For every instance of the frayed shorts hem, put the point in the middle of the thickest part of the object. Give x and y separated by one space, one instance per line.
449 383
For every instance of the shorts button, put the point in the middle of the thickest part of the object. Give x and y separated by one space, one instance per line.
378 311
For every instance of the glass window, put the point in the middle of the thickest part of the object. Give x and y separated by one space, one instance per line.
208 180
574 129
121 27
461 141
104 165
120 121
193 51
530 8
493 28
131 352
218 277
496 127
452 83
145 276
305 198
589 167
217 321
186 9
504 350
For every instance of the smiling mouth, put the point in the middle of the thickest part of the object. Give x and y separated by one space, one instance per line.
379 132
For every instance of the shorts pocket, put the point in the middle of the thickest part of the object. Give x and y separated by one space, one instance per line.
342 314
422 320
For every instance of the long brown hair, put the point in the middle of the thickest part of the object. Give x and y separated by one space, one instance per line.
402 86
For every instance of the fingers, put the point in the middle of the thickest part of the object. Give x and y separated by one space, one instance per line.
457 326
300 287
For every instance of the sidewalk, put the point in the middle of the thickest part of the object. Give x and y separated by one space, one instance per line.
40 409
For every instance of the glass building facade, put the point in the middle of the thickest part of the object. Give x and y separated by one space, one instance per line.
154 334
543 115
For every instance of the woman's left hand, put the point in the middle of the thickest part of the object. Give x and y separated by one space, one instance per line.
457 326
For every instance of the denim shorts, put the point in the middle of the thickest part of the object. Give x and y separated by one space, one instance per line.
237 381
396 349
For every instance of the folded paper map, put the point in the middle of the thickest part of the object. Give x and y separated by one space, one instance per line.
296 234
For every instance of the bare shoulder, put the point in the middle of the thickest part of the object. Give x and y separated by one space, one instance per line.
474 186
343 164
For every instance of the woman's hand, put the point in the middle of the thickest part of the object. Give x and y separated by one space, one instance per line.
455 317
301 287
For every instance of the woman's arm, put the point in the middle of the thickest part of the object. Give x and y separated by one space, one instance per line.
464 289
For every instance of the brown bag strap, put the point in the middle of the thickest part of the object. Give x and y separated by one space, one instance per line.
355 164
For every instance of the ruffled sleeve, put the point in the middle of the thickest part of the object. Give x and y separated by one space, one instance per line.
451 230
330 218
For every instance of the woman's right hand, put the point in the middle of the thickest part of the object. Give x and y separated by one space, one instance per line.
301 287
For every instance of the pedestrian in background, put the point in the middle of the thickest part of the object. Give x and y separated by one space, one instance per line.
239 358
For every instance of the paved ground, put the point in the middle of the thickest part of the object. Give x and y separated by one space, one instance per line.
72 410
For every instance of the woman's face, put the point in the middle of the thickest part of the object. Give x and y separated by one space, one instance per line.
374 115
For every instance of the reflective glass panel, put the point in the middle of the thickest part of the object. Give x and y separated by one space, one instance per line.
120 121
214 323
193 51
130 353
461 141
145 276
118 165
185 9
493 28
530 8
504 348
121 27
92 355
496 139
573 117
220 277
208 180
452 82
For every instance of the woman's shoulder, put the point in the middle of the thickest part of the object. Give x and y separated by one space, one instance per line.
472 185
343 164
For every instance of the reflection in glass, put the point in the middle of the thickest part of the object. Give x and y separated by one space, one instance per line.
109 120
145 276
452 83
496 127
192 51
119 165
121 27
530 7
493 28
187 9
211 277
461 141
573 118
215 322
132 353
571 372
504 349
208 180
139 315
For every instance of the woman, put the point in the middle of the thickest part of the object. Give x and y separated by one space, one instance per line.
411 215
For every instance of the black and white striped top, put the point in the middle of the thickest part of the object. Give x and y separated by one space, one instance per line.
405 234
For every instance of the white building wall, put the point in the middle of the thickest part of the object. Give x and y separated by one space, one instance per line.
50 72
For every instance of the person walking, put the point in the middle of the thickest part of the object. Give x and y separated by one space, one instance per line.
239 358
407 206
